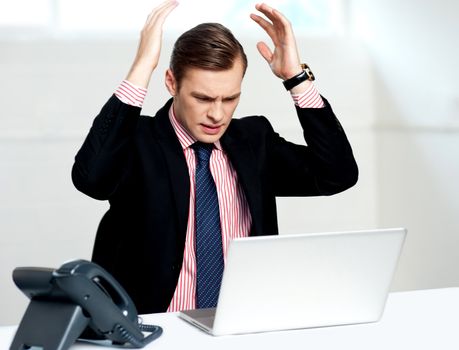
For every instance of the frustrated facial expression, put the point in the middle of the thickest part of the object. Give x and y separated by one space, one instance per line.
205 100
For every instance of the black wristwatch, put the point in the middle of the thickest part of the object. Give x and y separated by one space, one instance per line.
306 74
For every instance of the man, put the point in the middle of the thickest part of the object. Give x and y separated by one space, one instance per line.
155 238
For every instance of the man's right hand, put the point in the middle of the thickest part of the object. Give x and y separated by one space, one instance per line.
149 49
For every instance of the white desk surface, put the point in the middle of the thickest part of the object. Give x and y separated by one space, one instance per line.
415 320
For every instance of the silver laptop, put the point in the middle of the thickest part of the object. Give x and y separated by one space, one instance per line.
302 281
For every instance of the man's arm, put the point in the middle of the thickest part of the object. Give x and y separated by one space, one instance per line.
104 157
328 159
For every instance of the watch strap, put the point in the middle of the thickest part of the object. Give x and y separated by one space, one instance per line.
306 74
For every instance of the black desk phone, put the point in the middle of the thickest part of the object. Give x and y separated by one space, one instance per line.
79 300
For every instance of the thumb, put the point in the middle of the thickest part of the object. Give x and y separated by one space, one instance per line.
264 50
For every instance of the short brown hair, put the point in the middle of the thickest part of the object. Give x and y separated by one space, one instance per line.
209 46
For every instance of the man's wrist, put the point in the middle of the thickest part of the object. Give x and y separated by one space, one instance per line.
301 88
304 75
140 73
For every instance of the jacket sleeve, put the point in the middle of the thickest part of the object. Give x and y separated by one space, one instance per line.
324 167
105 156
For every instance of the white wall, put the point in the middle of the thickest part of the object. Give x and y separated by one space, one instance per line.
413 47
403 125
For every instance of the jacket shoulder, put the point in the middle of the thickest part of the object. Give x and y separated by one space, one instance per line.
250 125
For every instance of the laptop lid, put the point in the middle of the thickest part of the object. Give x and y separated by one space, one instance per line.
306 280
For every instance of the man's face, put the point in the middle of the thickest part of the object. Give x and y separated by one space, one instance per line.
205 102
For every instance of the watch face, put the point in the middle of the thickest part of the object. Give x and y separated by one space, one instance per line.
308 71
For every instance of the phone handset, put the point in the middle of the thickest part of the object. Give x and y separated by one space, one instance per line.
98 301
95 290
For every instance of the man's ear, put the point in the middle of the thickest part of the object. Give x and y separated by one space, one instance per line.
171 83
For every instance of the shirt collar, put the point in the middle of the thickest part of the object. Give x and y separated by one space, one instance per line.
184 137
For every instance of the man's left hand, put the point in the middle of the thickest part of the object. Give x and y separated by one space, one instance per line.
284 59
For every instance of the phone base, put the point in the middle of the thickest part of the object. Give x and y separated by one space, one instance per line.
49 325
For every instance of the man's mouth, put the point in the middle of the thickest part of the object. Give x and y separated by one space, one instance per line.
211 129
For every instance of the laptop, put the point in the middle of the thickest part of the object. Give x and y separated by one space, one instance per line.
285 282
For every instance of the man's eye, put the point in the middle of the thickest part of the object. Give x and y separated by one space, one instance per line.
203 99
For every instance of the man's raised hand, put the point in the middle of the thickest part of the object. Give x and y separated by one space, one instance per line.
149 49
284 59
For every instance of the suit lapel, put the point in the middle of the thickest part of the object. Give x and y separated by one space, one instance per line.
178 170
240 154
244 162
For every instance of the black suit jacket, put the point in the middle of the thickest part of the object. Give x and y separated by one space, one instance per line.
137 163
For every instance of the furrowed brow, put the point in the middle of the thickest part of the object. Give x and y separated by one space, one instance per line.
211 98
233 97
201 95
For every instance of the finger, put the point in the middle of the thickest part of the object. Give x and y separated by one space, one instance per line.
158 8
264 50
277 18
281 26
162 15
267 11
281 17
267 27
163 9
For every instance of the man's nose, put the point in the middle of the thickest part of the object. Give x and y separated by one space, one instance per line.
216 112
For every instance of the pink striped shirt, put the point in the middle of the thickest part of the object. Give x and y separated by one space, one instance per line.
235 216
234 211
309 99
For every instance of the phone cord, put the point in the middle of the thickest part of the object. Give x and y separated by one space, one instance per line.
155 331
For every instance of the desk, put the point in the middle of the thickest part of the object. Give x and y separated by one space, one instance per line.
415 320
